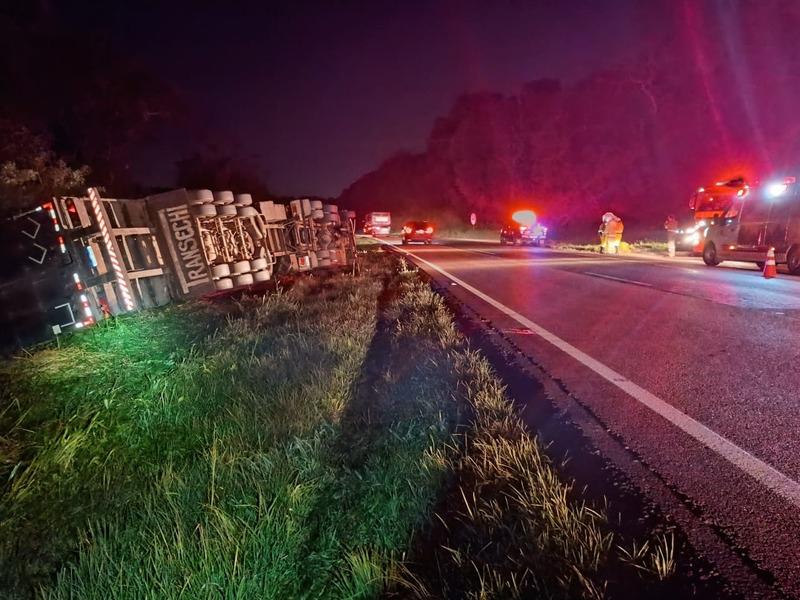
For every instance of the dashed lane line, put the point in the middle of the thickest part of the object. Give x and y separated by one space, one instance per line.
619 279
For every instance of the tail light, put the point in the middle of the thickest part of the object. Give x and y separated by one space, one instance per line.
407 229
429 230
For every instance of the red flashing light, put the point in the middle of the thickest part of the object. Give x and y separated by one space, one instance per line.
524 217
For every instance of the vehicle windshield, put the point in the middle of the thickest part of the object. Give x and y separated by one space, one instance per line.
717 201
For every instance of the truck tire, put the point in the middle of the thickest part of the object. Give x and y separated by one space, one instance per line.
710 255
264 275
239 267
793 260
221 198
226 210
317 214
321 254
331 208
243 200
197 197
257 264
203 210
224 284
324 262
305 203
316 205
244 279
246 211
218 271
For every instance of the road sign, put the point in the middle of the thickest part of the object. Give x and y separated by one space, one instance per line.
473 219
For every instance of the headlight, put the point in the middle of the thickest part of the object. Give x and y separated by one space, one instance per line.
701 223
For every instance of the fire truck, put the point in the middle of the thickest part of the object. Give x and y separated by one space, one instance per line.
709 204
75 260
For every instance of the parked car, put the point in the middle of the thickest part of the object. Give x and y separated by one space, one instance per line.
514 233
418 231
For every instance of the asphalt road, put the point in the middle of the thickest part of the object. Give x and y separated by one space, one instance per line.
696 369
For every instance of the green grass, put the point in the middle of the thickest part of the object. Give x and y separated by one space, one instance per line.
211 452
290 446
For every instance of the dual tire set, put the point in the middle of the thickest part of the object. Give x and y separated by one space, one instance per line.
205 203
327 214
243 272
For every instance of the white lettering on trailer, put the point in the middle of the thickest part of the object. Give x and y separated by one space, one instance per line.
191 258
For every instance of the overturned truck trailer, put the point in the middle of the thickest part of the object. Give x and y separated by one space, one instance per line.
76 260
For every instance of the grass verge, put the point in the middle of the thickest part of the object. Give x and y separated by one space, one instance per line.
296 445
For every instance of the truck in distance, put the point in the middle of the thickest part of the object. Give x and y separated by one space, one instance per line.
377 223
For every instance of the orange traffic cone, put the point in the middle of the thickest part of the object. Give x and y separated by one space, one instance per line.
769 267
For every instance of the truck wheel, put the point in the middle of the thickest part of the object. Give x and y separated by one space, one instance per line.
710 255
239 267
264 275
324 262
197 197
331 208
226 210
317 214
221 198
258 264
323 254
245 279
793 260
243 200
203 210
224 284
222 270
316 205
246 211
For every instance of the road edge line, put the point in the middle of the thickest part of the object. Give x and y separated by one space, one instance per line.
762 472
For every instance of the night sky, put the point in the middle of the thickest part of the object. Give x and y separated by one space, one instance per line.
316 94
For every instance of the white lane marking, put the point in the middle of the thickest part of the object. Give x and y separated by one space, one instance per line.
620 279
762 472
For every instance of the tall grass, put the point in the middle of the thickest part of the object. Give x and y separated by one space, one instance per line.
215 452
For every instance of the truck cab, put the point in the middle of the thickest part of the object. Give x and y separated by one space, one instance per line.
768 217
709 204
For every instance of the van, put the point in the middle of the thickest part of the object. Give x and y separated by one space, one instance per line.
766 217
